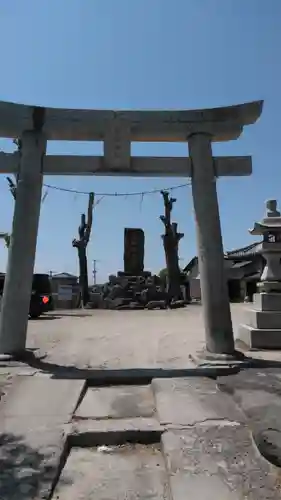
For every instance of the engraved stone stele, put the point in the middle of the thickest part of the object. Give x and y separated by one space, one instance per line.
133 251
263 325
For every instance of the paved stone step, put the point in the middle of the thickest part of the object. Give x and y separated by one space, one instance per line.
202 424
29 460
117 402
218 463
114 431
32 437
41 397
258 394
132 471
187 401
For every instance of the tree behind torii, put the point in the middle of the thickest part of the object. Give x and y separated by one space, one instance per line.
84 231
171 240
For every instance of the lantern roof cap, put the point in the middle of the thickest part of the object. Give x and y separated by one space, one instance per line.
271 223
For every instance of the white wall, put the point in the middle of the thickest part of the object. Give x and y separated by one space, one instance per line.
195 290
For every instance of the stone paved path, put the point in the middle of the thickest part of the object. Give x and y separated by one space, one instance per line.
66 433
171 439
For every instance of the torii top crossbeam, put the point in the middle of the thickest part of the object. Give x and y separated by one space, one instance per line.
225 123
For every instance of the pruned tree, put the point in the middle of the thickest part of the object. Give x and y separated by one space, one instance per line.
171 239
84 232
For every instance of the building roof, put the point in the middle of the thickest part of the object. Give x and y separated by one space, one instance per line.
248 251
239 265
190 265
64 276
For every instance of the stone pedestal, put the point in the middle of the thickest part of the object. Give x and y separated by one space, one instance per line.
263 322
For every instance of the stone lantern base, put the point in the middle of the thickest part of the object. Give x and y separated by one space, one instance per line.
263 321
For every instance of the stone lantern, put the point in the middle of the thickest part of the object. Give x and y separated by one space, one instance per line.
263 327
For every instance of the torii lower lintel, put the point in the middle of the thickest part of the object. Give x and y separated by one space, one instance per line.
138 166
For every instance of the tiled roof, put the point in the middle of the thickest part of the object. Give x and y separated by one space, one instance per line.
64 275
240 253
249 251
238 265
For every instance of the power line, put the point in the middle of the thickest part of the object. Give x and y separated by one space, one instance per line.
116 194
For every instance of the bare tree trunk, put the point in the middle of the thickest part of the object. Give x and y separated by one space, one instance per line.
84 232
171 240
83 275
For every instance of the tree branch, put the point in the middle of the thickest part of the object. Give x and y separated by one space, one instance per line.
168 204
85 227
12 187
177 236
90 218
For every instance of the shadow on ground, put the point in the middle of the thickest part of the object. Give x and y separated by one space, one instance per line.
71 313
136 375
23 470
105 376
45 318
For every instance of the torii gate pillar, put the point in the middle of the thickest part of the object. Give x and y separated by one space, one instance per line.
214 292
21 258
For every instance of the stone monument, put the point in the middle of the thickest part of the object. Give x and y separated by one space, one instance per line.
133 288
133 251
263 327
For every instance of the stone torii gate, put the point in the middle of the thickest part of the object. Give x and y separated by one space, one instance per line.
34 126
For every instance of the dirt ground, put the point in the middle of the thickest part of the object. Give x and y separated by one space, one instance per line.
124 339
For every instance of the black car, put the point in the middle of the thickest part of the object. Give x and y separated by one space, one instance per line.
41 299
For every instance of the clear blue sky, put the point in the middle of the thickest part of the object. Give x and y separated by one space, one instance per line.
129 54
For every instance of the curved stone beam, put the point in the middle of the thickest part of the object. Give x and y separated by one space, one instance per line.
224 123
138 166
